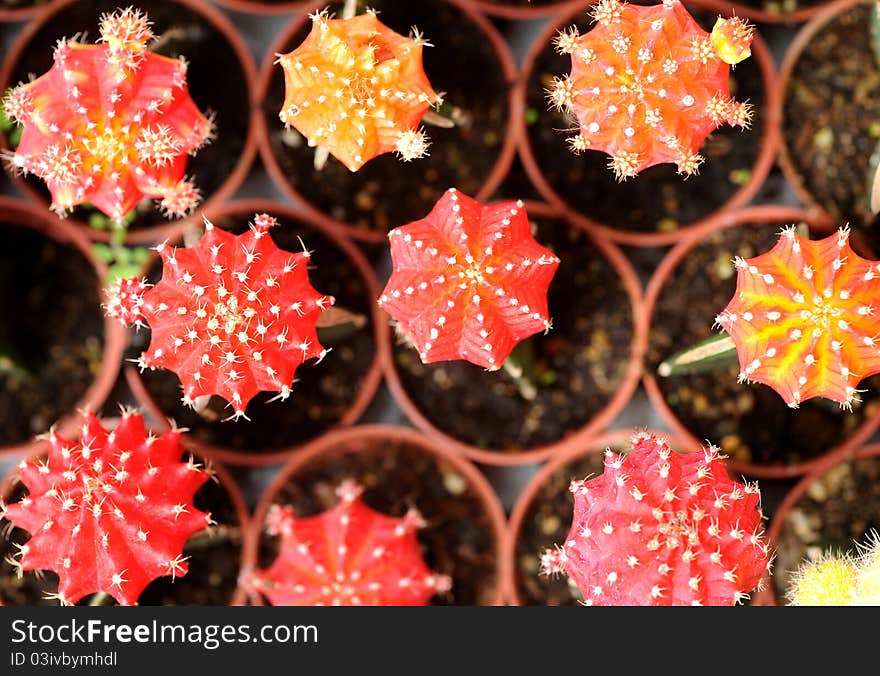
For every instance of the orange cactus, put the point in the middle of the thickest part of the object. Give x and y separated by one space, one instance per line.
111 123
803 319
647 84
358 89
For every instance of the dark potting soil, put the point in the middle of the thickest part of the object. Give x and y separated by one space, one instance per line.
322 393
750 422
207 51
458 540
830 118
387 192
52 326
839 509
544 526
659 199
214 563
577 367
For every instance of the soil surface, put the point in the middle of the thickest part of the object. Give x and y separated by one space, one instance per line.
184 33
323 392
830 118
52 328
386 192
750 422
458 539
577 367
838 510
214 560
659 200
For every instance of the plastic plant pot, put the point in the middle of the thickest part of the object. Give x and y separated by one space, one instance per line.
752 424
585 369
210 42
783 12
399 468
659 206
520 10
20 10
334 393
67 366
474 156
264 8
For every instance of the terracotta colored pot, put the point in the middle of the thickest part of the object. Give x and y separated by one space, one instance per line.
617 403
792 54
289 218
239 596
511 10
764 213
766 16
531 491
361 439
268 120
822 470
115 336
767 144
219 22
20 13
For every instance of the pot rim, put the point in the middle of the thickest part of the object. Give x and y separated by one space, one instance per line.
372 378
638 342
795 493
239 596
171 229
115 336
768 143
661 274
381 431
793 52
263 8
523 13
527 495
493 180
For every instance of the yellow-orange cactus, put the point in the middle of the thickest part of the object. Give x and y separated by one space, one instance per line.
846 579
358 89
803 318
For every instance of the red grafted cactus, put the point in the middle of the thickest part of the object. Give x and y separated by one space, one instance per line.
803 318
231 316
350 555
358 89
109 512
110 123
647 84
469 281
659 527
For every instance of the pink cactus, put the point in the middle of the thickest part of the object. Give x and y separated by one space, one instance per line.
350 555
110 123
469 281
109 512
659 527
803 318
358 89
232 316
647 84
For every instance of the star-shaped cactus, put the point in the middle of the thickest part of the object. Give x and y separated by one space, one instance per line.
358 89
469 281
110 123
663 528
350 555
647 84
109 512
232 315
803 318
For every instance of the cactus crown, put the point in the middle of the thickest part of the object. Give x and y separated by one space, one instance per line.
839 579
647 84
110 123
663 528
803 318
348 555
109 512
232 316
469 281
358 89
